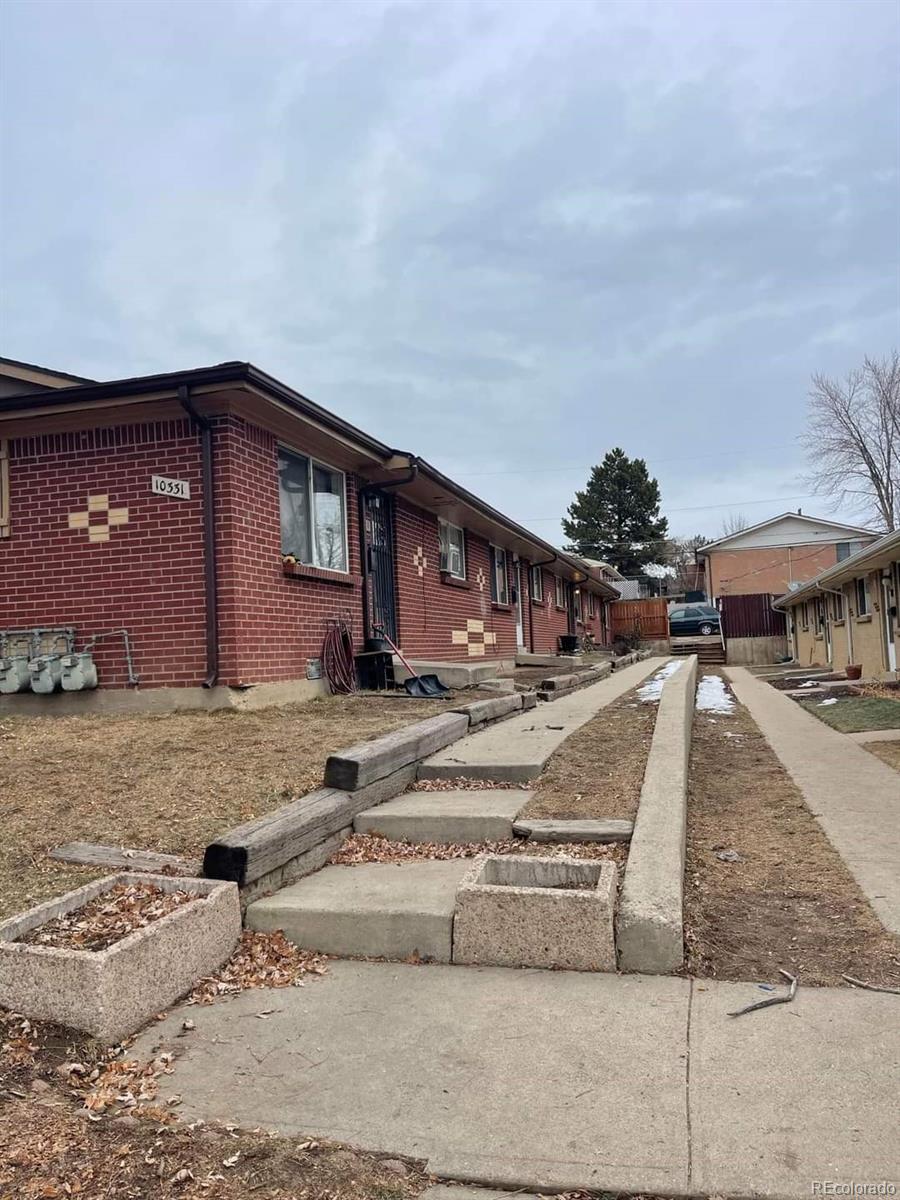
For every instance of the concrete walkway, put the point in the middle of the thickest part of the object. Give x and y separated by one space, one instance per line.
854 796
557 1080
517 749
876 735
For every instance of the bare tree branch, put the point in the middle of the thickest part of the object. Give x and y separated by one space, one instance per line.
853 439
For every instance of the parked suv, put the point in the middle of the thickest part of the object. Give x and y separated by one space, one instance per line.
685 620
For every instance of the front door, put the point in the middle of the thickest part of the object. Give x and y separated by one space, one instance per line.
889 609
378 532
517 584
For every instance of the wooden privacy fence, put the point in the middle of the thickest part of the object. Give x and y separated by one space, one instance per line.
750 616
649 618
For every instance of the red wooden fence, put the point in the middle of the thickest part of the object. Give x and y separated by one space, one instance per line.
649 618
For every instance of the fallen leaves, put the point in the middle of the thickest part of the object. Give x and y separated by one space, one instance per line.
374 848
260 960
109 917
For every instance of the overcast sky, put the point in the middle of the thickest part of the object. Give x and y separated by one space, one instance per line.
505 236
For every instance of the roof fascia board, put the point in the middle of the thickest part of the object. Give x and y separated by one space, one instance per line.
704 550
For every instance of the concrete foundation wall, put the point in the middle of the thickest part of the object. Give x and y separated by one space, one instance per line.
650 929
755 651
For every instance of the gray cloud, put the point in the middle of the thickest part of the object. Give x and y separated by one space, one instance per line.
499 234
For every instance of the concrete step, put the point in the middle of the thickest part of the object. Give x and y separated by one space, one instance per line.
574 831
374 910
444 817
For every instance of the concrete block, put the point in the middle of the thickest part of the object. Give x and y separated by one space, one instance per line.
446 817
452 674
529 701
110 993
481 711
562 682
367 762
536 912
373 910
458 1191
574 831
549 695
650 924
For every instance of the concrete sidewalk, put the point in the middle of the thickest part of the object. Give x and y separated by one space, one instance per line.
853 795
558 1080
516 750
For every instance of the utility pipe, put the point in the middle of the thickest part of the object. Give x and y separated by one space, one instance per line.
210 575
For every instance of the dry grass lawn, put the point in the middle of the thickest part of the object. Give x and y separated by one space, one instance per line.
598 771
168 783
789 901
888 752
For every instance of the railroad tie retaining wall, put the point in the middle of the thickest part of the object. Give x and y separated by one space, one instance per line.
650 924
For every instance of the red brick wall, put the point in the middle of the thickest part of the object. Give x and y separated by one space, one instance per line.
148 577
269 623
430 610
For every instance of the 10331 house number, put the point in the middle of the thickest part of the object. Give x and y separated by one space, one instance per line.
177 489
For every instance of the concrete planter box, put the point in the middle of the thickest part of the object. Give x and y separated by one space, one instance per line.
536 912
110 993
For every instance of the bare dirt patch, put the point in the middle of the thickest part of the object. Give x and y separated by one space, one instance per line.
108 918
169 783
599 770
787 900
888 752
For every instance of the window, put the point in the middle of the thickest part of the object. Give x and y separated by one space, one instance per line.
4 489
453 549
862 597
837 606
804 615
591 610
537 584
313 525
846 549
499 588
560 592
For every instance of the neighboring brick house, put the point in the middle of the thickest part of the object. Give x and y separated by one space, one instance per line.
222 519
849 613
774 555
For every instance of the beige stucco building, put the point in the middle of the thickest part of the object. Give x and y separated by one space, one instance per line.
849 613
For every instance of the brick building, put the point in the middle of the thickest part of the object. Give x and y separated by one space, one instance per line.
222 519
776 555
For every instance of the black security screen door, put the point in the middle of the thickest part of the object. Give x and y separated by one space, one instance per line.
378 526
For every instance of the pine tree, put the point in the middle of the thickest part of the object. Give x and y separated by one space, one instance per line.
616 517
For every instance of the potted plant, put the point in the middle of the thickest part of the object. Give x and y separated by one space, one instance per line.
854 671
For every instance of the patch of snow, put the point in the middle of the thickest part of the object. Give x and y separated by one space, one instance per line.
712 696
652 690
830 700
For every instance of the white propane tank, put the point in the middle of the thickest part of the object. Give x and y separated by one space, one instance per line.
45 673
14 674
79 672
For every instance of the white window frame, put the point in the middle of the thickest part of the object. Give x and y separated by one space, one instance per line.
592 611
537 575
499 559
310 499
445 556
560 591
866 596
837 606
